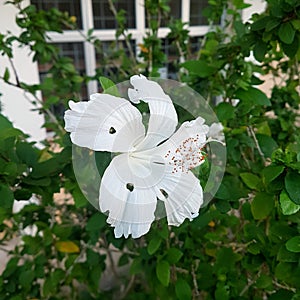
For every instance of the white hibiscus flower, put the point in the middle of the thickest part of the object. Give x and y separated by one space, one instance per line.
153 165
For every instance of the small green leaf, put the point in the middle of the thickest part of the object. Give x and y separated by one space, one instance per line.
109 86
163 272
6 197
136 266
199 67
286 33
260 24
250 180
79 198
262 205
225 111
154 245
293 244
96 222
26 278
263 281
10 132
267 144
183 290
273 23
288 207
291 49
272 172
292 186
173 255
6 75
260 50
5 123
254 96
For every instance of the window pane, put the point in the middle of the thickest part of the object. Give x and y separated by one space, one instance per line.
70 6
76 53
175 13
104 18
195 45
196 9
172 58
113 57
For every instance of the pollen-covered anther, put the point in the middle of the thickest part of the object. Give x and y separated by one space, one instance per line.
187 156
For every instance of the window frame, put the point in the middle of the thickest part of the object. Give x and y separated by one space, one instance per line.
109 34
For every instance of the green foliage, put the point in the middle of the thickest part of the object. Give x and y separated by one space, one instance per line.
244 245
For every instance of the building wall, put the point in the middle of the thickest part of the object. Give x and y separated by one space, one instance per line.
16 105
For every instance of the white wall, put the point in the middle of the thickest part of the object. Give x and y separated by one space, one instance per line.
15 104
257 7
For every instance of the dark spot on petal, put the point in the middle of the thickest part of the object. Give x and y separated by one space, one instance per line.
164 193
130 187
112 130
161 142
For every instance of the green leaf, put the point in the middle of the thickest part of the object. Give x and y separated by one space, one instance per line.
254 96
264 281
10 132
293 244
6 75
199 67
260 50
260 24
154 245
26 278
45 181
136 266
267 144
79 198
262 205
225 111
273 23
291 49
287 256
292 186
163 272
183 290
27 153
6 197
109 86
96 222
5 123
288 207
286 33
173 255
272 172
250 180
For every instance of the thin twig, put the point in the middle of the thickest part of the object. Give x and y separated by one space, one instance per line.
115 13
129 286
15 72
195 280
252 133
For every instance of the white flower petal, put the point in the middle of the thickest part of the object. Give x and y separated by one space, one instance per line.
129 198
215 132
105 123
185 197
163 116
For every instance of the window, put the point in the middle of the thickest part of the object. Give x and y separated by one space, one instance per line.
196 9
175 13
70 6
104 18
97 14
